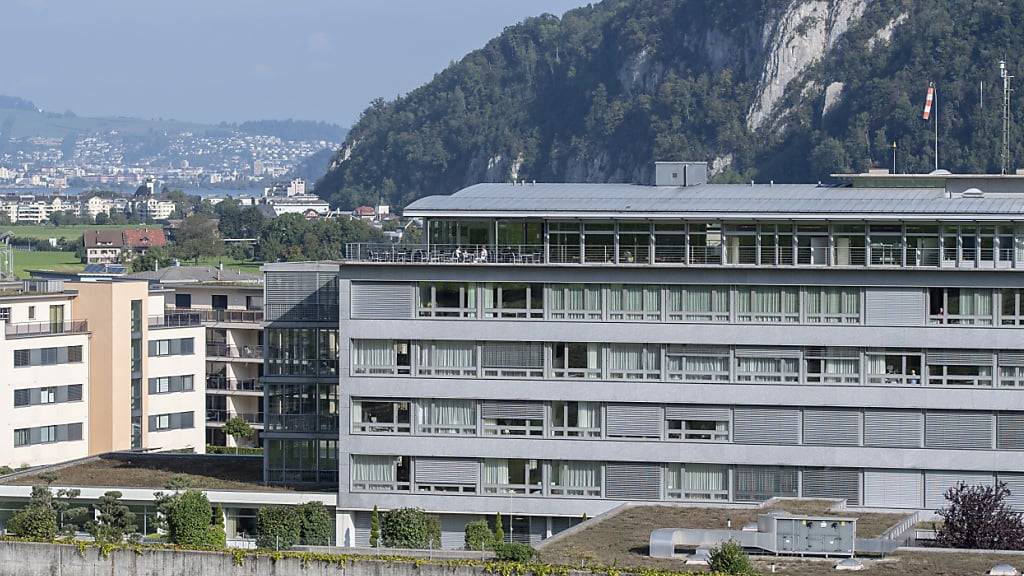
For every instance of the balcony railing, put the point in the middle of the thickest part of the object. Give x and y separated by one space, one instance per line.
303 423
679 255
33 329
175 319
234 384
209 315
243 352
225 415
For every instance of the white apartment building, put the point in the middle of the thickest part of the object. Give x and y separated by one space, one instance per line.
96 205
154 208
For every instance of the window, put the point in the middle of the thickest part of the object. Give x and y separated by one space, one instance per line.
47 356
894 368
443 416
136 316
447 358
380 357
697 482
174 421
169 384
669 242
380 473
512 359
446 299
832 366
634 302
511 477
959 375
381 416
1011 376
1011 311
512 418
513 300
31 312
47 395
759 483
960 306
183 301
576 360
634 361
219 301
697 364
48 434
576 419
768 304
327 352
5 314
574 302
698 303
575 478
290 351
767 370
833 305
22 437
171 347
697 424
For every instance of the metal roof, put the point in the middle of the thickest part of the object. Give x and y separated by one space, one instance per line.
706 199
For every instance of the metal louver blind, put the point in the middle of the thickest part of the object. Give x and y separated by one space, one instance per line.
75 393
767 353
754 425
697 412
634 420
512 410
1011 358
1015 483
512 355
893 428
960 357
295 296
936 484
832 483
893 489
958 430
382 300
447 471
22 397
632 481
824 427
1010 431
74 431
894 307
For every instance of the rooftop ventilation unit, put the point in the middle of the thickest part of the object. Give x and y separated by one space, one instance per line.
680 173
1003 570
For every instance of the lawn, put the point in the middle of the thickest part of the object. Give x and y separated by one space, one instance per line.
36 260
44 232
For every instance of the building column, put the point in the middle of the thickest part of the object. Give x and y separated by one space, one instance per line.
344 529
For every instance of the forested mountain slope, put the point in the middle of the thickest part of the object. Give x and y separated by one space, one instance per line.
787 90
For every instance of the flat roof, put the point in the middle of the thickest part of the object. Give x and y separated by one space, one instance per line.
808 201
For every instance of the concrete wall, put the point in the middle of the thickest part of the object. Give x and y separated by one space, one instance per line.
33 559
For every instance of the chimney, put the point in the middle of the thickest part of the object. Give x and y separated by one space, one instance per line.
680 173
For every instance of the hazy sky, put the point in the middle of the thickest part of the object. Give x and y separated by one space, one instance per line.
213 60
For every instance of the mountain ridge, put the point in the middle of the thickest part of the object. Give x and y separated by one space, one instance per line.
785 90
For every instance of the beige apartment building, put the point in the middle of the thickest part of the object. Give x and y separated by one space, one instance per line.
95 366
229 304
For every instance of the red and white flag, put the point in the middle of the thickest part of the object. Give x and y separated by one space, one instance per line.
928 101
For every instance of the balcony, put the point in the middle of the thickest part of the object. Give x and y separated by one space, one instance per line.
175 319
221 416
214 382
36 329
723 254
254 352
214 316
308 423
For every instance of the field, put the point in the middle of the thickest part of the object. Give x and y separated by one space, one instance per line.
56 261
43 232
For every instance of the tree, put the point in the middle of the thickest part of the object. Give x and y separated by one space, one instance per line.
979 517
499 528
189 519
37 520
479 536
238 429
410 528
316 524
102 218
153 257
197 238
114 520
374 527
730 558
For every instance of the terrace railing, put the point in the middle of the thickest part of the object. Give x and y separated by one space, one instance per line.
254 352
37 329
214 382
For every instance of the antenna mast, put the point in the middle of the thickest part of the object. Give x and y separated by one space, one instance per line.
1005 153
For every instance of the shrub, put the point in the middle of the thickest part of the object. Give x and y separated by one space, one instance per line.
6 470
34 521
114 520
479 536
513 552
189 520
410 528
374 527
730 558
278 527
979 517
499 528
243 450
317 529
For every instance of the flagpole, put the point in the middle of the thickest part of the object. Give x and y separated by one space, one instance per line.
935 104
